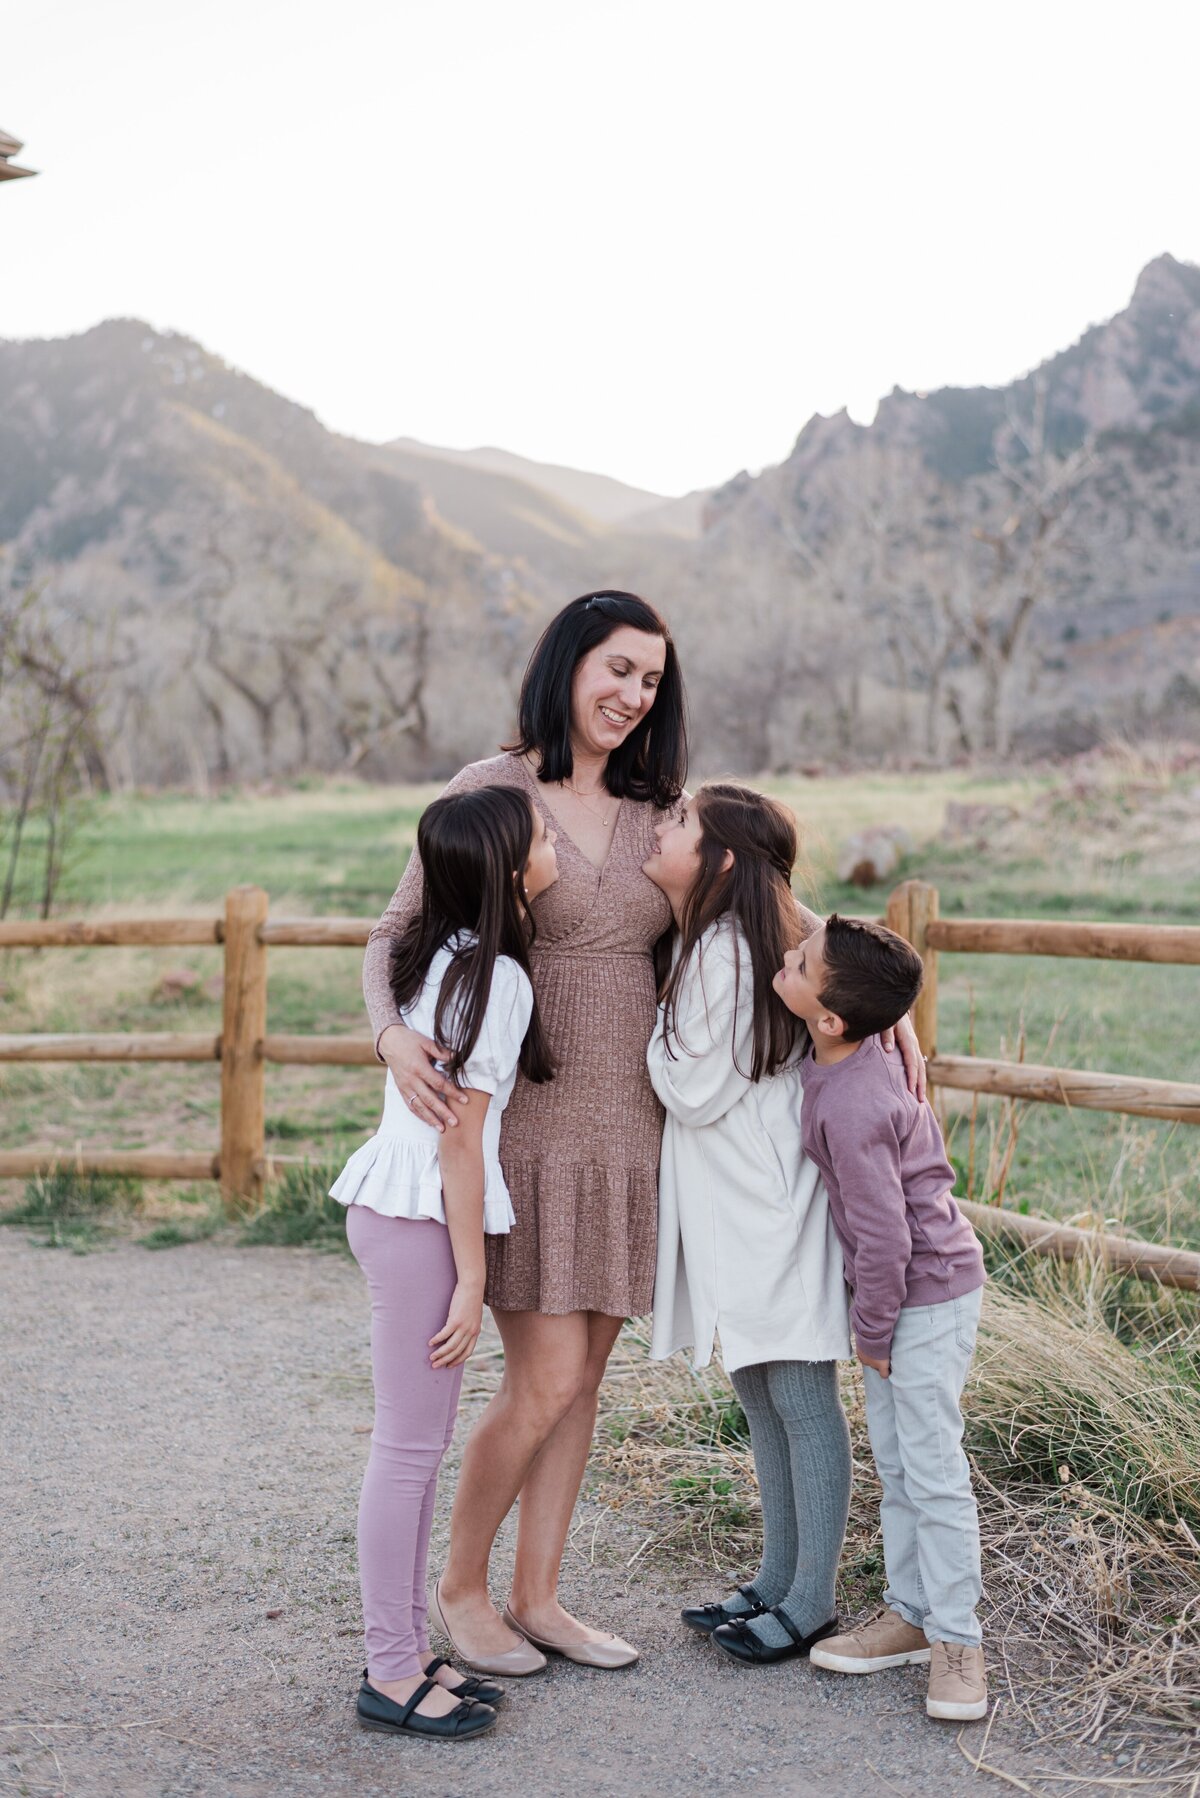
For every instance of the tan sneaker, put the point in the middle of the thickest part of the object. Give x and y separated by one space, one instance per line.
886 1641
957 1683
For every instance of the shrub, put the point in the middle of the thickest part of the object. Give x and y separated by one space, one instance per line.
71 1209
298 1211
174 1236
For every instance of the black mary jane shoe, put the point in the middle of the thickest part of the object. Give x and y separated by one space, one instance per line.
705 1618
745 1646
483 1691
377 1711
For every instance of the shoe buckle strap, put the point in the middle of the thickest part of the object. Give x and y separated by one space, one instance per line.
777 1611
425 1687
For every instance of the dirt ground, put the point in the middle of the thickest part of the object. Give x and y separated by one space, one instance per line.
183 1437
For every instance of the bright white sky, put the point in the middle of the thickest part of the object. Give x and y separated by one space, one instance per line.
648 237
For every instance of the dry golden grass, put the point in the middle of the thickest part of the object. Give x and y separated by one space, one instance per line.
1083 1424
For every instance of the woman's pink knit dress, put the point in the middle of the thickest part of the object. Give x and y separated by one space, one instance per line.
580 1153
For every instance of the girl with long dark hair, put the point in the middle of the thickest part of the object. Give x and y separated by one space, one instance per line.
419 1206
746 1246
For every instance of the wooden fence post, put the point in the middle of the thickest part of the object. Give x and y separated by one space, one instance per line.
243 1070
912 907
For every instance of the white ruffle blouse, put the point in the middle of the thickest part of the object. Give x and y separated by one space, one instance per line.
746 1246
397 1172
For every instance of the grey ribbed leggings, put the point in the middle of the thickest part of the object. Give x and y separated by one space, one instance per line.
801 1445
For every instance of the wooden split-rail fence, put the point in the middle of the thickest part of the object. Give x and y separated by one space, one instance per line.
245 1047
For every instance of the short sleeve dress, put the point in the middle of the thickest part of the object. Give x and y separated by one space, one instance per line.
579 1152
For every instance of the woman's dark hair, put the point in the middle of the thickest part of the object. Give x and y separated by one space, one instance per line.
470 845
652 761
755 893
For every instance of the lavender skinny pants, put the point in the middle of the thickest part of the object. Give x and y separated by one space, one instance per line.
409 1267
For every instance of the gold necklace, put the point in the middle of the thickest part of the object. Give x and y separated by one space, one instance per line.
607 818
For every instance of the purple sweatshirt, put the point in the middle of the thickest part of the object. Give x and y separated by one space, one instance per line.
904 1240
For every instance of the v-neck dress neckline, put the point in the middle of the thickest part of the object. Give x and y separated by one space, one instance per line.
557 824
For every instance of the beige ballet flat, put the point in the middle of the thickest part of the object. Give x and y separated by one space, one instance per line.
612 1652
516 1663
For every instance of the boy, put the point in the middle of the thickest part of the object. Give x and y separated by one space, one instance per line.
917 1276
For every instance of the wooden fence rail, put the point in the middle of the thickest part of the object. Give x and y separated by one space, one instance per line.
1168 1099
1177 943
118 933
243 1048
245 933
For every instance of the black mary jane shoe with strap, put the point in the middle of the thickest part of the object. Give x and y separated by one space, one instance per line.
742 1643
705 1618
377 1711
483 1691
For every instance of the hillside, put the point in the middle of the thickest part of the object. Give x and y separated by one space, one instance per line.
883 569
1127 375
538 510
264 594
507 512
979 571
598 497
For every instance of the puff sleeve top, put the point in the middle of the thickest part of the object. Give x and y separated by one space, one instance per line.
397 1172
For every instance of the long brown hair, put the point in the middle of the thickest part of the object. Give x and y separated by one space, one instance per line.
755 893
470 845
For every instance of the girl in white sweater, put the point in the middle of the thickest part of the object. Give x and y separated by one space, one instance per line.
746 1248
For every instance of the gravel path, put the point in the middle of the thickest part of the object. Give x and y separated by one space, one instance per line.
187 1435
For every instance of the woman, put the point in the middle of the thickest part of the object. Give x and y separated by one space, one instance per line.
601 748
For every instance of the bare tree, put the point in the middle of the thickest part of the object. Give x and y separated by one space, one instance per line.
849 531
1007 566
51 748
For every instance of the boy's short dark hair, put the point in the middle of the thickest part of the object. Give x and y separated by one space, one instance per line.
872 976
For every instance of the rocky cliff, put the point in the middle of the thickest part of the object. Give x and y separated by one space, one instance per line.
885 565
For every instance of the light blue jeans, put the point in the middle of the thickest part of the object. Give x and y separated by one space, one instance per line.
930 1524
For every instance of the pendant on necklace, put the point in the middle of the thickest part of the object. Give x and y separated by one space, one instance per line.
605 820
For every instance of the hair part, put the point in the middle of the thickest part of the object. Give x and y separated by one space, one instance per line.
651 764
872 976
755 893
470 846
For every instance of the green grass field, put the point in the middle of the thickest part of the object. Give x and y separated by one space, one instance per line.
1123 842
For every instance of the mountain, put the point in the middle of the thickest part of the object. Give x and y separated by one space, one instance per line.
502 510
538 510
992 571
942 580
264 595
593 496
1128 374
